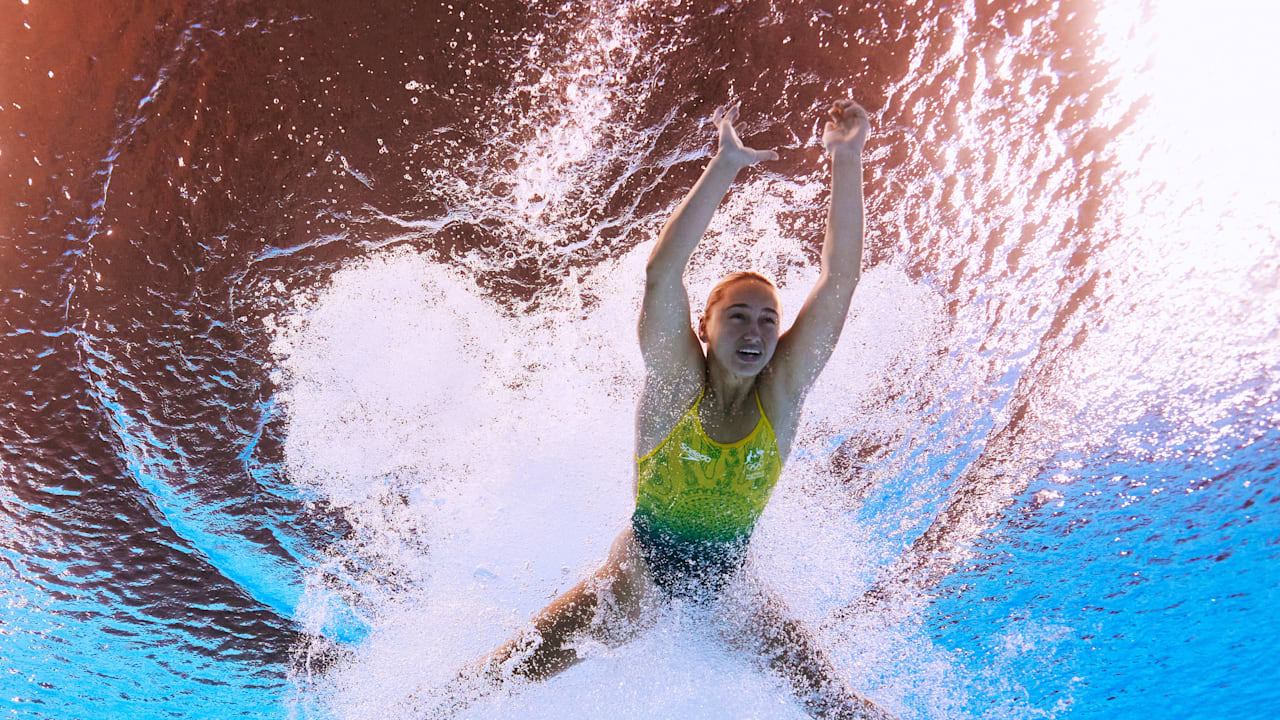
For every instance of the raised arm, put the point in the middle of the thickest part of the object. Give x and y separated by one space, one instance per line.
804 350
667 341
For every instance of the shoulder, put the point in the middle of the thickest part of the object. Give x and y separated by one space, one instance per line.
664 399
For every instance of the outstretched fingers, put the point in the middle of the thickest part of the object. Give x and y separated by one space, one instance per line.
725 118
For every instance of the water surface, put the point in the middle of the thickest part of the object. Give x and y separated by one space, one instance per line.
319 365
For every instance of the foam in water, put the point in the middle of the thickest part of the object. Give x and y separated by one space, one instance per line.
485 461
485 458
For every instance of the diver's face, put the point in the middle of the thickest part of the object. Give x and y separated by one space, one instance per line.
741 327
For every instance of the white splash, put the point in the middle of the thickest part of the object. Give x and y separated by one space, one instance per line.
485 461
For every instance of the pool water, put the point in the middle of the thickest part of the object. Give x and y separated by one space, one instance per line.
319 365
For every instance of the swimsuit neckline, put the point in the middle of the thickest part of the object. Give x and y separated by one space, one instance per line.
754 431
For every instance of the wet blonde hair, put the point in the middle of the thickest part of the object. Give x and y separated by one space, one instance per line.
721 287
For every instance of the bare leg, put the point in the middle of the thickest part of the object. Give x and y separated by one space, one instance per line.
607 606
785 646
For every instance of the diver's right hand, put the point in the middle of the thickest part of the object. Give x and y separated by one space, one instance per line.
846 130
731 148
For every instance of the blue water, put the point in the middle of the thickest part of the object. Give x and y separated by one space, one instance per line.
319 369
1139 586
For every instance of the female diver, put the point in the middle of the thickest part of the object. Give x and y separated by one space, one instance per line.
712 433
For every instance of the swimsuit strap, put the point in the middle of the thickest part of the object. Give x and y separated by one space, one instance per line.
701 393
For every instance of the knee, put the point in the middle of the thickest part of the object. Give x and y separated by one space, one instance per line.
532 655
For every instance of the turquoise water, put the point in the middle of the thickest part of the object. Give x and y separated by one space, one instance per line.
1152 571
319 367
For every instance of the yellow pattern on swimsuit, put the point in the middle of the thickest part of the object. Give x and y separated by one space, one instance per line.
694 489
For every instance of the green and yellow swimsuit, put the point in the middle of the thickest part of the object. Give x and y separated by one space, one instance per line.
698 500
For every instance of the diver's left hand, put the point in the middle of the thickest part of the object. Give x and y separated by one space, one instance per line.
846 131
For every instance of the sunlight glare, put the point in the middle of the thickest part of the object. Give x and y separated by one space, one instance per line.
1205 143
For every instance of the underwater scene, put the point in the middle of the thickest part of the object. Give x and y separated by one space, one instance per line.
320 369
